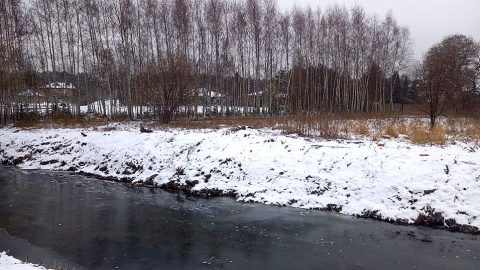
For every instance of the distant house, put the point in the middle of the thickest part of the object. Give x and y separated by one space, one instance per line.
57 95
58 92
274 101
256 99
29 96
208 97
207 100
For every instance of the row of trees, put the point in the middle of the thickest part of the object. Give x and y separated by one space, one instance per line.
156 53
152 52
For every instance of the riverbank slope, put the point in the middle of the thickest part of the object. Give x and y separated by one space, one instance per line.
391 180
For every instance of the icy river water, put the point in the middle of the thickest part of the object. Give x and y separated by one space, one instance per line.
83 223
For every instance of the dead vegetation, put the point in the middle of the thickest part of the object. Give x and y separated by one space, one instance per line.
372 126
420 134
61 120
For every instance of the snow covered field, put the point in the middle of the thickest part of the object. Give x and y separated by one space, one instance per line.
10 263
392 180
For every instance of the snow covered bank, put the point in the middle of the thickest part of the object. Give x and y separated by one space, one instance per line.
10 263
394 180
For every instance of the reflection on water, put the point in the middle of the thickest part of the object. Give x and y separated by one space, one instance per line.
105 225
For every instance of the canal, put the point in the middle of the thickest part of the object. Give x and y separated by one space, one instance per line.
62 219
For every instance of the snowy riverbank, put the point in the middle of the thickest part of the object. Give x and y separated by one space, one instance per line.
400 182
10 263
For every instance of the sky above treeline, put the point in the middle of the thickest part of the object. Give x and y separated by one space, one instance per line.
429 21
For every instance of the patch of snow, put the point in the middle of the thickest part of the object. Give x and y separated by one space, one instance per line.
10 263
201 92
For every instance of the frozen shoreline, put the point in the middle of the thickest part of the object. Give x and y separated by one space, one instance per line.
398 182
11 263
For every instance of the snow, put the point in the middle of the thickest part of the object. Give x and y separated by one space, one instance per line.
10 263
208 93
30 93
118 108
398 181
59 85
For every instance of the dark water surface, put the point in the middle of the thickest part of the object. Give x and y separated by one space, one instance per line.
85 223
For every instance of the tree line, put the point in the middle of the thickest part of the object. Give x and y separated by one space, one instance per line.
156 54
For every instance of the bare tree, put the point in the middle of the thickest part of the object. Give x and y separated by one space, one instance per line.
448 76
176 81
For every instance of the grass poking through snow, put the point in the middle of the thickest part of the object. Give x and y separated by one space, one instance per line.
328 126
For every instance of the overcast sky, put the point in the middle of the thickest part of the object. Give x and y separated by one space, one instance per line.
429 21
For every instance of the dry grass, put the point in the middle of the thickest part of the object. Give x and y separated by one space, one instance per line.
330 126
359 127
463 128
313 126
401 127
327 126
391 130
221 122
61 120
30 121
423 134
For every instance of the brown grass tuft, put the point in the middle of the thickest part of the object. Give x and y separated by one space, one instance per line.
391 130
422 134
463 128
359 127
401 127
